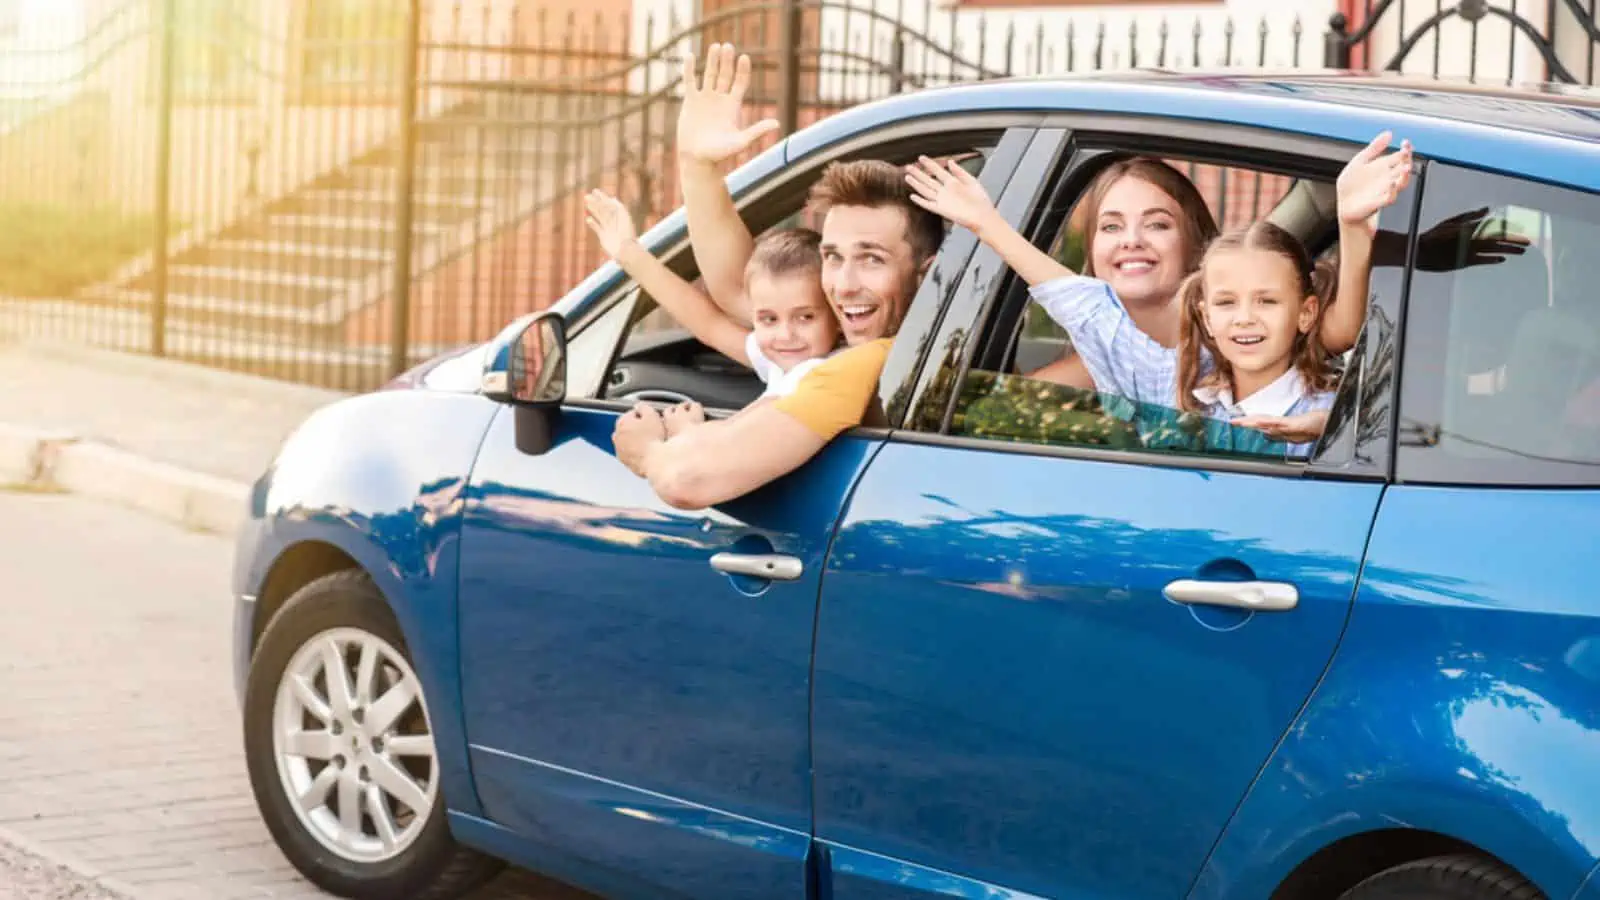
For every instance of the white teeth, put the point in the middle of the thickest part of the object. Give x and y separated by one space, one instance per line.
856 310
1248 340
1136 266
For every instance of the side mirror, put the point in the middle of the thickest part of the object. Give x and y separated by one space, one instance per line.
530 372
530 366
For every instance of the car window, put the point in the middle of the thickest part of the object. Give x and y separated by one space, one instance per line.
661 361
1502 357
1007 393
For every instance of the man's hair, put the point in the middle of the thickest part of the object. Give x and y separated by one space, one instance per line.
787 251
875 183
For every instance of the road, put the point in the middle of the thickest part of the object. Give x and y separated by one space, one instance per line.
119 733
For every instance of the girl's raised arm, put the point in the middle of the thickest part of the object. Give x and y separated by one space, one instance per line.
1369 182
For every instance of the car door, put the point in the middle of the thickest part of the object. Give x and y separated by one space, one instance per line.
637 709
1036 670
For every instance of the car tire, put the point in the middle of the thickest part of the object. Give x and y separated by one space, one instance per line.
300 742
1457 877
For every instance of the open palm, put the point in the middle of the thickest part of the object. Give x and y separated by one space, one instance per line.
708 125
949 191
609 220
1371 181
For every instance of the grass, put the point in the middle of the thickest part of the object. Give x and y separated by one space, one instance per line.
51 251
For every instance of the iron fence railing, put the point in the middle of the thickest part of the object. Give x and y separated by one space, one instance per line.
331 197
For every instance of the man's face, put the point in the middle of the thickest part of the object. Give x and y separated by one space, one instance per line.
869 270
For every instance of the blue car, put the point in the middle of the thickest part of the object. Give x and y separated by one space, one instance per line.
1007 646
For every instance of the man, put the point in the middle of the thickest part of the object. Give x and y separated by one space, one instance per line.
876 246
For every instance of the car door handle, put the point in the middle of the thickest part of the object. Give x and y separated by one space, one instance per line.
1268 596
772 566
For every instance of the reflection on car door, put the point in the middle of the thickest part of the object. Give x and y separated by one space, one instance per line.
1005 697
630 708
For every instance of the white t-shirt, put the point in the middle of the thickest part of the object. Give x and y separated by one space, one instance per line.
779 383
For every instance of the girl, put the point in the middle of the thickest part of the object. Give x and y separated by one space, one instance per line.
1256 301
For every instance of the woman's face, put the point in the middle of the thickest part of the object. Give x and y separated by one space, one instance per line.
1138 245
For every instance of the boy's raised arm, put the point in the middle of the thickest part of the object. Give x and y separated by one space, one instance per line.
610 222
709 135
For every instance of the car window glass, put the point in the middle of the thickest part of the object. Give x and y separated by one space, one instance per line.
1011 397
659 360
1502 380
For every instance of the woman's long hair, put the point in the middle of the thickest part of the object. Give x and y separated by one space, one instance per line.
1310 358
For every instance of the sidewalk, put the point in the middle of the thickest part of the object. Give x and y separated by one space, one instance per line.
178 440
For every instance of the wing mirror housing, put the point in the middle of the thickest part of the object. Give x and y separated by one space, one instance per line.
526 367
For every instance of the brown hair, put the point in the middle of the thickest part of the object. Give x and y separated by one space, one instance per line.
787 251
1310 357
1195 223
875 183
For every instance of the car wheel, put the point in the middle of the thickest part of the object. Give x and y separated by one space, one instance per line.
1446 878
341 753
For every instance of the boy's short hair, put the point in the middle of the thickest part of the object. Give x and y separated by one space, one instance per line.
874 183
787 251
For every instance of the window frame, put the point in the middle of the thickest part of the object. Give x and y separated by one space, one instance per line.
1087 137
780 195
1424 359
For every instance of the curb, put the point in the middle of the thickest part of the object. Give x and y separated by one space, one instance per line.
50 460
66 861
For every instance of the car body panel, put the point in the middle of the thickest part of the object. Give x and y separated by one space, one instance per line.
380 477
616 684
1004 693
1303 106
1463 700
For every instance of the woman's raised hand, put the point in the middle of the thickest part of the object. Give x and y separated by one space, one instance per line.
949 191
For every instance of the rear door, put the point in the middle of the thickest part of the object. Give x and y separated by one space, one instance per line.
1036 669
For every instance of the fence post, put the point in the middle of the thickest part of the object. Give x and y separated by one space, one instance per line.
405 182
163 211
789 67
1336 43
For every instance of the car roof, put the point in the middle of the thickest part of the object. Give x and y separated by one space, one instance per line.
1548 132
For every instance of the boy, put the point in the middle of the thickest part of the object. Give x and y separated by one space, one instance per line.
793 327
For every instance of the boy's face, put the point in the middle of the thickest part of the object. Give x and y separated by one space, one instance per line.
791 318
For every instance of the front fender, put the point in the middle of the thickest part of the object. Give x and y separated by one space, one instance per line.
380 477
1473 723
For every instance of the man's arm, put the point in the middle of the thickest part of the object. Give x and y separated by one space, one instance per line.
715 462
718 461
709 135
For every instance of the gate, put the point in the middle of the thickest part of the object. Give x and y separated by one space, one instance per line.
1530 40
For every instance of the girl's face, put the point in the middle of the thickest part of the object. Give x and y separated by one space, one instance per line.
1138 246
1254 308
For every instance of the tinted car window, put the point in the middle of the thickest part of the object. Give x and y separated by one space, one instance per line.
1502 360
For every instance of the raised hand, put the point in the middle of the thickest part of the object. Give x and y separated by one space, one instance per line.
1371 181
610 222
949 191
708 124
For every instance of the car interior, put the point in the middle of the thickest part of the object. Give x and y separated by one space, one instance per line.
661 362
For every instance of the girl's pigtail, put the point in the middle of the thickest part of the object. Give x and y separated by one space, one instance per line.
1311 358
1191 338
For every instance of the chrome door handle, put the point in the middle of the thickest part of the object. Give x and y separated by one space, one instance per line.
1268 596
772 566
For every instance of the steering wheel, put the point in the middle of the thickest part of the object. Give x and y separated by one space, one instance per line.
655 395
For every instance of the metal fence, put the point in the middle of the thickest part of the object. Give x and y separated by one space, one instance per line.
329 192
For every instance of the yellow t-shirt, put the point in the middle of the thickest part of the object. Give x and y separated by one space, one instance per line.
841 392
